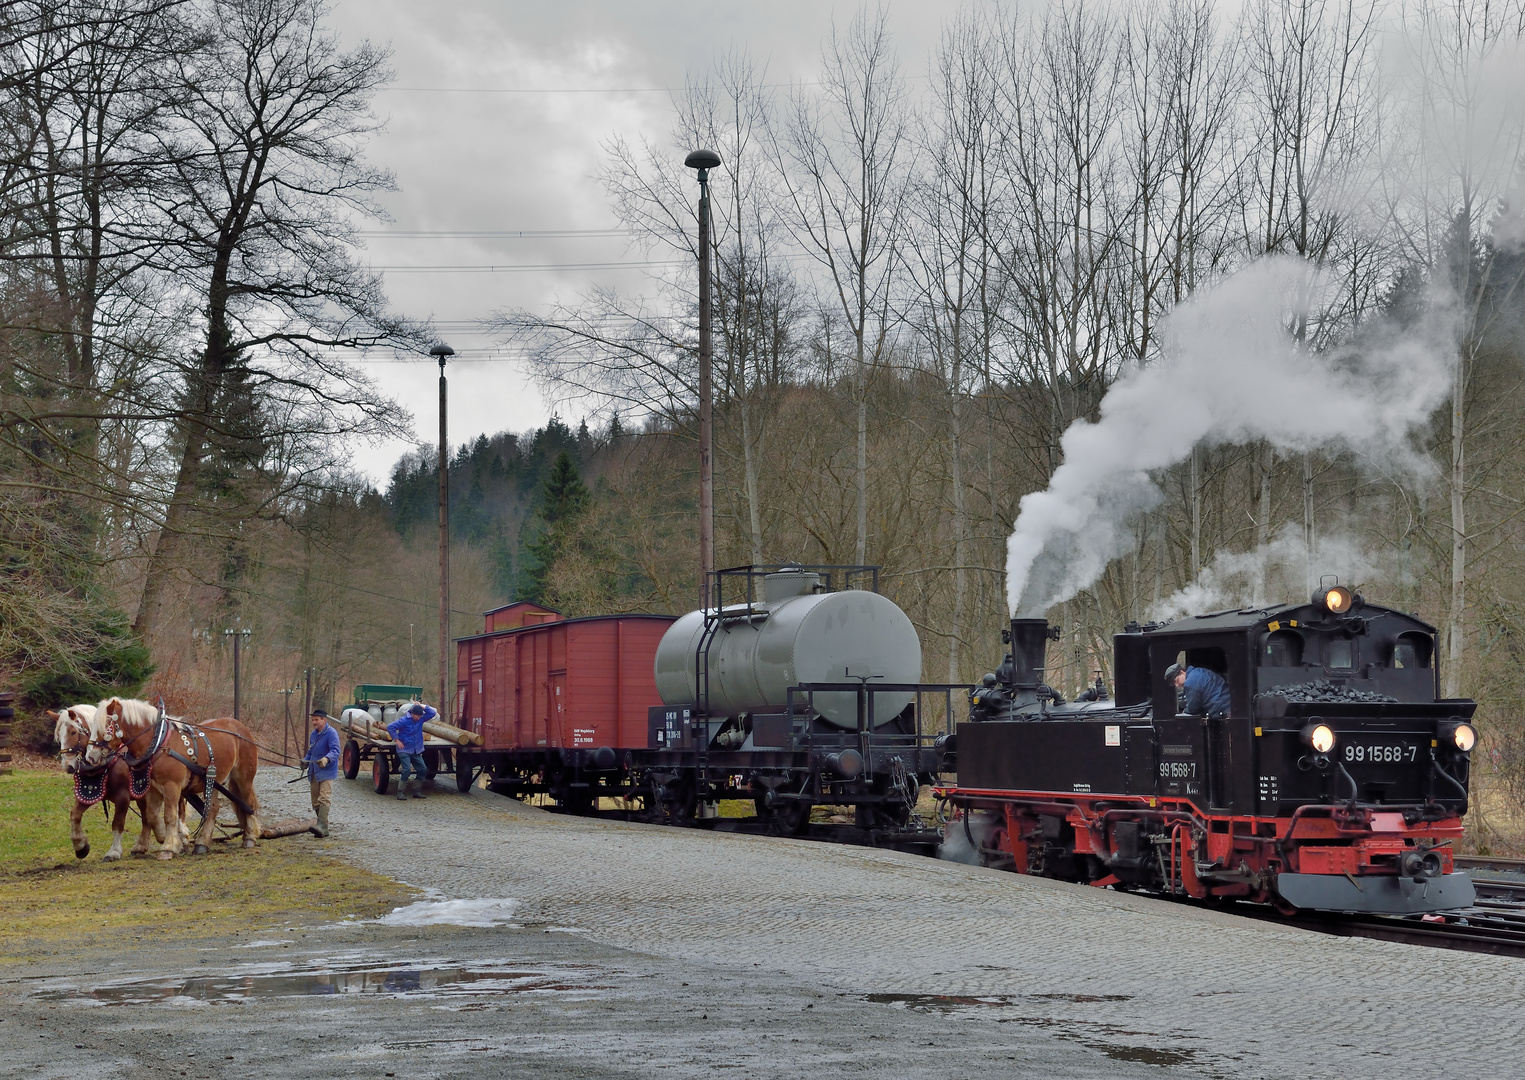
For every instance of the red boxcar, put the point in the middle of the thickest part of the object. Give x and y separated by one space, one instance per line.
538 681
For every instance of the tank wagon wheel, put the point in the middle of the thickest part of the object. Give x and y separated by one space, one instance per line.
351 760
431 761
678 802
791 816
381 772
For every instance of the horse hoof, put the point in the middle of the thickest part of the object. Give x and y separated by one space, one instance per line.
165 855
200 849
108 857
82 853
248 845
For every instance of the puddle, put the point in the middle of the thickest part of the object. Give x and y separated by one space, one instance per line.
1095 1036
432 979
490 912
954 1001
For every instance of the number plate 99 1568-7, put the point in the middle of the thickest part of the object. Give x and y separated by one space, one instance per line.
1382 753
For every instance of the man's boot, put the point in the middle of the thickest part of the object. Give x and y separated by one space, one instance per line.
322 821
418 787
402 789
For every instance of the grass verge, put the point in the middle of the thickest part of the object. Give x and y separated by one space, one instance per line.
54 902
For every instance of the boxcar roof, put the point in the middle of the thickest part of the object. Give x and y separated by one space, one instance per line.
533 627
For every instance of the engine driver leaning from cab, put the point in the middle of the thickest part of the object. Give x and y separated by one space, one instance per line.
1206 690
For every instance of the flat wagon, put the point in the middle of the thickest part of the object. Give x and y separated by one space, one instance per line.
364 722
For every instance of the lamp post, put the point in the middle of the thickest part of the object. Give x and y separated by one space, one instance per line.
441 351
704 161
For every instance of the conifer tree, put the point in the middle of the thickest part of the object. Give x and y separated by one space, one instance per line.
564 498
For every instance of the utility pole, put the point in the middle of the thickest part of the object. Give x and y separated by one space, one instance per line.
441 351
238 636
286 727
704 161
306 693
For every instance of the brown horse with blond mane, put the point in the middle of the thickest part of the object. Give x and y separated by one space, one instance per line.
100 776
207 759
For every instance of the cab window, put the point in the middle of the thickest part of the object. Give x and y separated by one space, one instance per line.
1412 651
1340 653
1283 648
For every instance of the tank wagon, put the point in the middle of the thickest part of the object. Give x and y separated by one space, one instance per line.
1336 780
796 686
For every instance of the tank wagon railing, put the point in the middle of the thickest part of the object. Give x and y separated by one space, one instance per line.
801 705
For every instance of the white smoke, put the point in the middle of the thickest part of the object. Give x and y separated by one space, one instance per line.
1273 572
1229 373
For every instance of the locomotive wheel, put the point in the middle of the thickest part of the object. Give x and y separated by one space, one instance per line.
351 760
464 773
431 761
381 772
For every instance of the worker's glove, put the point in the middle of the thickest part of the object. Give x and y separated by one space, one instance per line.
323 763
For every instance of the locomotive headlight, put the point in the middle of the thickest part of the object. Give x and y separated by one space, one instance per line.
1462 736
1336 600
1319 736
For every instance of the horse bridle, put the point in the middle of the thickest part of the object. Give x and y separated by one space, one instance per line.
81 749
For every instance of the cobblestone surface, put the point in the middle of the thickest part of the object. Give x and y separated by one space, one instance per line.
1139 977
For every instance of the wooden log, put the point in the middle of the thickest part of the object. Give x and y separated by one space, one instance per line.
289 827
459 736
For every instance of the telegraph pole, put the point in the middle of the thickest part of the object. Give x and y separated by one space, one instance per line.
441 351
704 161
238 637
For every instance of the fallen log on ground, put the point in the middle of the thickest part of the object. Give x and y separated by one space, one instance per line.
289 827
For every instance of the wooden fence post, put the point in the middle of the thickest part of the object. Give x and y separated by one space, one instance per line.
6 715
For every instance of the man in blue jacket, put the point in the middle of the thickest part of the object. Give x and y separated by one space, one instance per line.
408 732
322 761
1206 690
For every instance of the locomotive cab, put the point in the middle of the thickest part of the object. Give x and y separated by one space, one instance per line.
1335 781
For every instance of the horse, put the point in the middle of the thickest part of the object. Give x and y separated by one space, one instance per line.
187 760
100 776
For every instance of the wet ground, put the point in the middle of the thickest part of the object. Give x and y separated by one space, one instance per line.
365 1000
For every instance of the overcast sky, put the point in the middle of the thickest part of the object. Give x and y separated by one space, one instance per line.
495 122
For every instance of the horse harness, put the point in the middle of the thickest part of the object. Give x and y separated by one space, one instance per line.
172 737
90 780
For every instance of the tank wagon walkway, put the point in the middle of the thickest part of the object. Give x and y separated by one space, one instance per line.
1228 996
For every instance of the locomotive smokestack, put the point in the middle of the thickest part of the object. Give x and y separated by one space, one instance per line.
1029 643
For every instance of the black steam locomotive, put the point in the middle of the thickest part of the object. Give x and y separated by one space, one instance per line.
1336 779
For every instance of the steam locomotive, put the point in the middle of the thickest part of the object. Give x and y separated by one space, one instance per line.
1336 780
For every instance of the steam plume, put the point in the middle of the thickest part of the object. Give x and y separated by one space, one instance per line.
1276 570
1229 373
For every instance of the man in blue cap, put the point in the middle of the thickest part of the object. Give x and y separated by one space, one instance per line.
1206 690
408 732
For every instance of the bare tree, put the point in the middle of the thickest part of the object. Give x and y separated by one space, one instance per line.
951 259
845 164
1312 118
267 161
1462 141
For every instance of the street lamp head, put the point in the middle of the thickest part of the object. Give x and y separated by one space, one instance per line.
442 350
702 159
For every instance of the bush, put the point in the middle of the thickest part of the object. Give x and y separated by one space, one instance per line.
118 663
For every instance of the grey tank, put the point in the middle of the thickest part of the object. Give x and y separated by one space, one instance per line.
795 635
